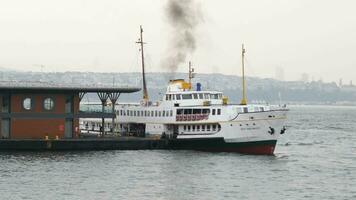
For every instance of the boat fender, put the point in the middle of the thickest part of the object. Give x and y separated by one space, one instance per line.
283 130
271 130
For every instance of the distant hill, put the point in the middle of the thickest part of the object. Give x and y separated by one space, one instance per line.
259 90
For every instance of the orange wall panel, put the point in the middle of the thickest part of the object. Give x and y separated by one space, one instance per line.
37 128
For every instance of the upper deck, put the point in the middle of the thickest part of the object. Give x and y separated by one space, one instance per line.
180 93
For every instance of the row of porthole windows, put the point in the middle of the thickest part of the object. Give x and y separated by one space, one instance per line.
27 103
146 113
207 127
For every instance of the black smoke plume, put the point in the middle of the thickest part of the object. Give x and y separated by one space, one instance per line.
183 17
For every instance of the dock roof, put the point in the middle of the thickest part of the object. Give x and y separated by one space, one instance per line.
17 86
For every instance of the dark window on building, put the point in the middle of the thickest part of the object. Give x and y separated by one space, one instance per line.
48 103
179 111
69 104
5 107
198 127
193 127
213 111
188 128
195 96
178 96
201 96
5 128
208 127
219 111
203 127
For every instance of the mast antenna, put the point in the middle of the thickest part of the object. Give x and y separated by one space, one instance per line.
140 41
243 100
191 75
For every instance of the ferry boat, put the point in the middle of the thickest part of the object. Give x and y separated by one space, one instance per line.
195 119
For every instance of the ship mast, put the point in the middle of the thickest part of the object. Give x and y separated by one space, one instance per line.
140 41
191 75
243 100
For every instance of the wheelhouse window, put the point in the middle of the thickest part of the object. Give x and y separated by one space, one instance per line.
214 96
178 97
195 95
48 103
201 96
245 109
179 111
186 96
206 96
27 103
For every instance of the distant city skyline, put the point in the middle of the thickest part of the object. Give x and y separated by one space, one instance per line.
312 38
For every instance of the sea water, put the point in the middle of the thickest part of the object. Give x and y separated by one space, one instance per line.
314 159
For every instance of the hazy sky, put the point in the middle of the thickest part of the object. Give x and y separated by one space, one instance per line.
317 37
